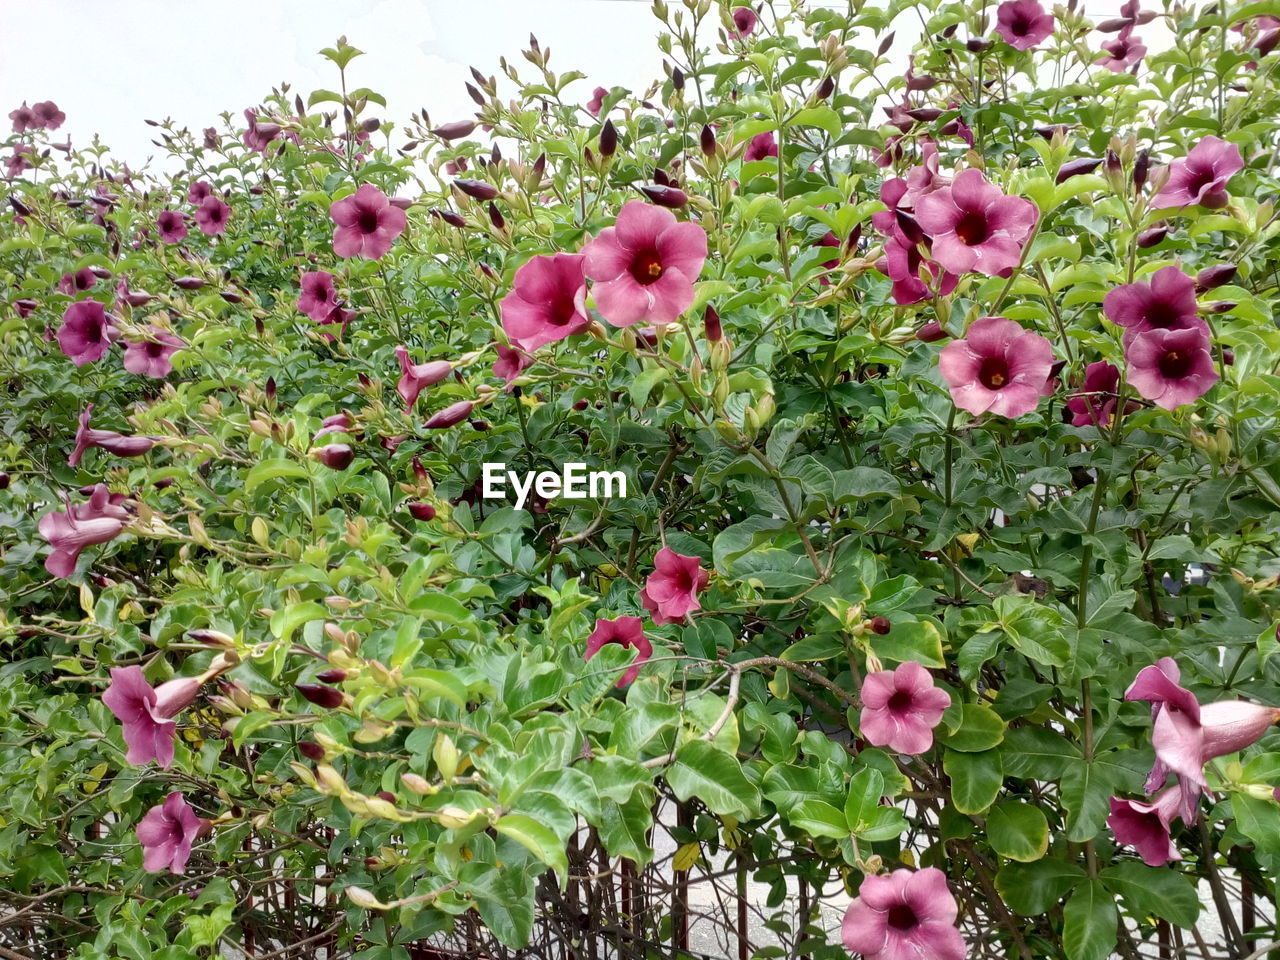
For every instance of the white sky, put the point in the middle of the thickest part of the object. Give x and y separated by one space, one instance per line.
110 65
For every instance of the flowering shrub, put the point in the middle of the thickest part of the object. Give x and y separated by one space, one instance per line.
943 589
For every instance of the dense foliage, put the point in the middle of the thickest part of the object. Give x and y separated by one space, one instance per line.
947 405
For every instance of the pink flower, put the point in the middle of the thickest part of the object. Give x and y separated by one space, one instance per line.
997 367
167 832
147 714
82 279
319 296
901 707
597 100
1171 367
47 115
198 192
23 118
212 216
1145 826
258 135
152 357
510 363
547 302
645 265
671 592
108 440
627 631
1095 403
86 332
367 224
15 164
1201 176
172 226
1123 52
975 226
761 146
99 520
745 21
904 916
416 377
1167 302
1023 23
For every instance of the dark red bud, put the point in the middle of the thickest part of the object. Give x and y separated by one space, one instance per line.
495 155
931 332
1152 236
1229 359
332 675
311 750
976 44
665 196
608 139
164 483
1141 167
660 177
1215 276
320 695
271 388
880 625
1111 26
711 321
539 166
386 795
480 426
1113 162
496 218
450 415
1073 168
422 511
885 44
455 131
188 283
335 456
826 88
475 95
581 404
477 189
449 217
925 114
677 79
707 141
1222 306
20 208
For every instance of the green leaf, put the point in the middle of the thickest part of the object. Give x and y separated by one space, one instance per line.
1089 922
1018 830
976 779
539 840
980 729
285 622
1036 753
271 469
702 770
866 787
819 819
643 384
1154 891
1259 820
919 640
1031 889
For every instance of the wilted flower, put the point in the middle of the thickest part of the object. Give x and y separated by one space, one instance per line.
172 226
1171 367
904 916
416 377
644 266
167 832
974 225
671 591
597 100
998 367
761 146
627 631
901 707
86 332
212 216
1122 52
1145 826
367 224
100 519
108 440
547 301
511 363
147 714
1201 176
1023 23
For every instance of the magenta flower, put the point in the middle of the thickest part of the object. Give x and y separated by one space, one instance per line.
416 377
172 226
997 367
212 216
199 192
108 440
86 332
1166 302
627 631
319 296
367 224
645 265
1145 826
597 101
47 115
152 357
1201 176
975 226
547 302
904 916
96 521
1171 367
511 363
901 707
18 162
258 135
745 21
147 714
1095 403
72 283
671 592
23 118
761 147
1123 52
167 832
1023 23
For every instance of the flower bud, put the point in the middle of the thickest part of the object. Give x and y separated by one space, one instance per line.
931 332
311 750
496 218
1073 168
711 322
608 139
335 456
880 625
1141 167
188 283
671 197
825 88
366 900
1153 236
677 78
1222 306
422 511
976 44
456 130
449 217
4 480
450 415
417 784
477 189
1215 276
320 695
707 141
332 675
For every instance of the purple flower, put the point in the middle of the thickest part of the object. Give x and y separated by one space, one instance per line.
199 191
1122 52
23 118
901 707
761 147
511 363
98 520
319 296
627 631
416 377
153 356
212 216
147 714
167 832
258 135
904 916
1095 403
73 283
172 226
997 367
597 100
1166 302
18 162
367 224
745 21
975 226
86 332
1145 826
1171 367
108 440
547 302
1201 176
1023 23
47 115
